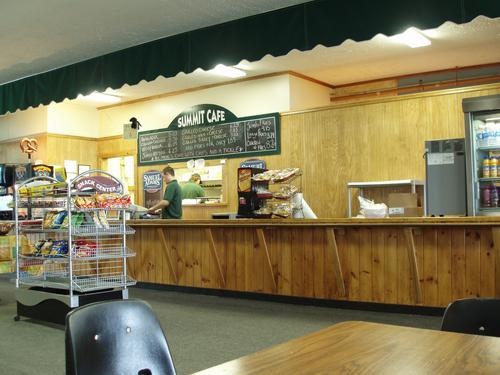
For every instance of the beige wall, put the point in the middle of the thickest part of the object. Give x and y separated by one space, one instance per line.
23 123
372 141
72 119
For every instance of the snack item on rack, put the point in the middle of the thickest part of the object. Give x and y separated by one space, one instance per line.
112 200
277 175
286 174
286 192
41 189
264 176
58 219
263 212
38 244
282 210
48 219
47 247
92 218
85 202
103 219
59 247
84 249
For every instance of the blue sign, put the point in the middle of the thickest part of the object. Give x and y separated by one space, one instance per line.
253 163
152 181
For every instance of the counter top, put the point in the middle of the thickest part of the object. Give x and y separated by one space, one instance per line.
330 222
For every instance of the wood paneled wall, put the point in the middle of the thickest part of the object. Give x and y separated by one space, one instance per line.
11 153
452 262
64 147
371 141
53 149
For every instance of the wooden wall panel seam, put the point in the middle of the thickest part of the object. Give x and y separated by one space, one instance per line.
215 255
337 269
166 251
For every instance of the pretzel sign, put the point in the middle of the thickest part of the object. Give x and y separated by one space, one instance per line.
29 146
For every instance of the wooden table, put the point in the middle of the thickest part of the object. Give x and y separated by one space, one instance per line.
369 348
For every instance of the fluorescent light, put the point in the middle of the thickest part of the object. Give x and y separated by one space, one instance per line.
493 119
100 97
228 71
413 38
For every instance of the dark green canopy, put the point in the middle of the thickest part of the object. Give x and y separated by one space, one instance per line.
302 27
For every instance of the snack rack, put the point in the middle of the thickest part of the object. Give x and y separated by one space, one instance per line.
282 198
75 254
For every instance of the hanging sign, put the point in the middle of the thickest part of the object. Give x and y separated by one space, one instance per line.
42 170
101 184
253 163
152 182
209 131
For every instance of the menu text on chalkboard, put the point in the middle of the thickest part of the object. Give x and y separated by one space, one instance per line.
242 137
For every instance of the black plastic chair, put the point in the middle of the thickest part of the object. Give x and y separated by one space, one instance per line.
116 337
478 316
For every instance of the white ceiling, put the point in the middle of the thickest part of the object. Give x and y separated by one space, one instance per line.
474 43
43 35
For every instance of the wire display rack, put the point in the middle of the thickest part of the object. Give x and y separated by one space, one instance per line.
83 253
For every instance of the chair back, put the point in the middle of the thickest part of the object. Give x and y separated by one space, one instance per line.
116 337
478 316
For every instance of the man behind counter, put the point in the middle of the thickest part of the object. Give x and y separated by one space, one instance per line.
171 205
192 188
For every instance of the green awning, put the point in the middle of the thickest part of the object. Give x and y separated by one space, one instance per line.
301 27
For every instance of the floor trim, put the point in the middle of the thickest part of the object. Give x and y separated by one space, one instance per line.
352 305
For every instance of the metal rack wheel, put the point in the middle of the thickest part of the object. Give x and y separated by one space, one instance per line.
17 318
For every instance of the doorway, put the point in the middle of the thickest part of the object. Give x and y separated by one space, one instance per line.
123 168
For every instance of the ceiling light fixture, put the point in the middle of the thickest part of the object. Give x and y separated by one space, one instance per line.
100 97
413 38
493 119
228 71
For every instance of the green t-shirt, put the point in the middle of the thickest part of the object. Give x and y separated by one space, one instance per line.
192 190
173 194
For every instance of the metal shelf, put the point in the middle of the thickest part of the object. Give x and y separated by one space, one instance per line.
78 209
488 179
80 284
99 253
381 184
86 230
489 148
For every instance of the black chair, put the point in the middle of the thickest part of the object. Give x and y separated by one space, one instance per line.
116 337
478 316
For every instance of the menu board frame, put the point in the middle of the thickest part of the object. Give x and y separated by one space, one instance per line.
241 121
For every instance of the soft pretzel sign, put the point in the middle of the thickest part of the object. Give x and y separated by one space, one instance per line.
29 146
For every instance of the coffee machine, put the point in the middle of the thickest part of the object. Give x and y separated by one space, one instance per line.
248 192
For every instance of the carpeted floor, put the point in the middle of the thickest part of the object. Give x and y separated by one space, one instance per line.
202 331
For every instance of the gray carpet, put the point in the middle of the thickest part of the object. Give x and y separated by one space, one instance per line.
202 331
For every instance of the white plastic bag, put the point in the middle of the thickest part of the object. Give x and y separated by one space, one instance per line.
371 209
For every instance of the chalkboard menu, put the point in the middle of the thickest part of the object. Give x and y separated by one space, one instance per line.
257 135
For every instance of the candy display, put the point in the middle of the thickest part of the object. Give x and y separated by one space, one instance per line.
103 201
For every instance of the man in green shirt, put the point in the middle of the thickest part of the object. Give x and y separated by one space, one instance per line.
192 188
171 205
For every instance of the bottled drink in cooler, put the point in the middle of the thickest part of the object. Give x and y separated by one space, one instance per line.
486 196
486 167
493 196
494 167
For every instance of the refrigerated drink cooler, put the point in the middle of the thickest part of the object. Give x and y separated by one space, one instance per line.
482 146
445 179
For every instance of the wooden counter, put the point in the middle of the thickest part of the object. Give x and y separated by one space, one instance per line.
411 261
